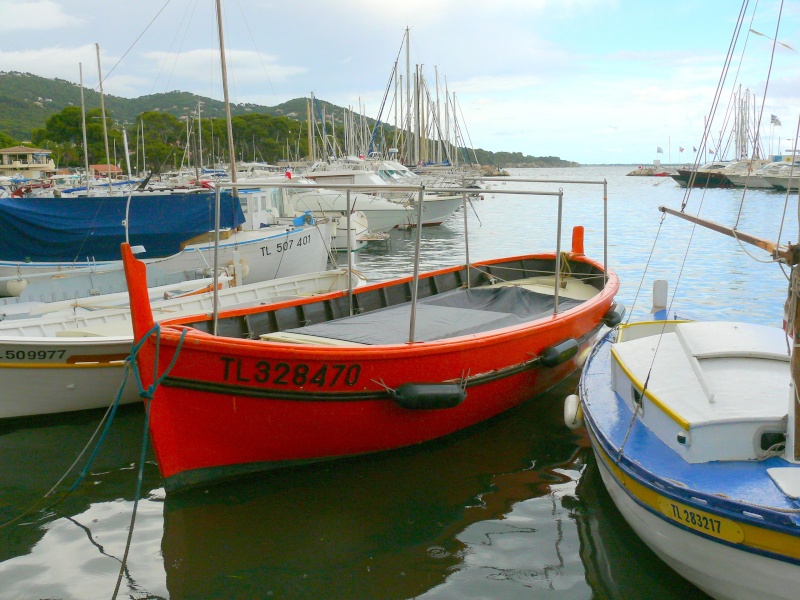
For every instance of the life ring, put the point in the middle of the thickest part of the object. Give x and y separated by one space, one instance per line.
231 270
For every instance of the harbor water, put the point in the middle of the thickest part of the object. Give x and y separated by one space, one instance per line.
513 508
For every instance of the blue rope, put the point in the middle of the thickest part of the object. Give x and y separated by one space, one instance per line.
137 496
103 435
148 395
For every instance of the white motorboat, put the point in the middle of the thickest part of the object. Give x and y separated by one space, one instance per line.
73 358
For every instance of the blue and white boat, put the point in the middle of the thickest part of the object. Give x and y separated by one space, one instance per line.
696 430
693 425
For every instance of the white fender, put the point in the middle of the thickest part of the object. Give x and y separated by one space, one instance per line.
573 413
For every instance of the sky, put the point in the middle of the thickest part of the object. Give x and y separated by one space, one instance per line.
592 81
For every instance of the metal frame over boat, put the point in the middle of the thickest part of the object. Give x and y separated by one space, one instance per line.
385 366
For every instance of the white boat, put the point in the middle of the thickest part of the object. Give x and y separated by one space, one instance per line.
270 241
26 306
700 460
436 207
747 173
381 214
60 362
758 177
785 177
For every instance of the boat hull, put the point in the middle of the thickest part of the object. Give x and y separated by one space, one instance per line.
231 406
265 254
721 571
436 209
56 364
691 515
256 428
50 375
701 179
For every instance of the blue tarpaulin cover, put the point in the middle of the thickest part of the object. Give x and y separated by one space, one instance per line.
77 229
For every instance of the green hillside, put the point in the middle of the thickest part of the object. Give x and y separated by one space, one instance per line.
27 101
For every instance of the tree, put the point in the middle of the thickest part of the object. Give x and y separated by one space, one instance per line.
6 141
63 131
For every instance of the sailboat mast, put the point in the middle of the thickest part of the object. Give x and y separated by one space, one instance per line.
200 134
103 113
83 128
793 453
408 96
231 149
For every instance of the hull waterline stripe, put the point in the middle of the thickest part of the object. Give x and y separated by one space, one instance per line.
310 396
638 491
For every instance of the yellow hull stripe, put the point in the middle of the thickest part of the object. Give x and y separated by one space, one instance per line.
88 364
647 393
729 530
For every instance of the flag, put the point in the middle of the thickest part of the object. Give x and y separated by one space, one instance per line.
680 148
710 151
659 150
772 118
777 122
694 149
288 172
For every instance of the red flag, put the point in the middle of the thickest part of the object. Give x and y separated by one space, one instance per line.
679 148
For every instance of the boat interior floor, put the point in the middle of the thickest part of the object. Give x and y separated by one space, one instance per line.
450 314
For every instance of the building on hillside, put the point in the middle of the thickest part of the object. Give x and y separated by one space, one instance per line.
105 170
31 163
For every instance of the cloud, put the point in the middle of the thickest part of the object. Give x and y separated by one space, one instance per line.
37 15
245 67
57 61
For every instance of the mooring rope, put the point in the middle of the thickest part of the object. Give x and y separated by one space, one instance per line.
107 419
147 396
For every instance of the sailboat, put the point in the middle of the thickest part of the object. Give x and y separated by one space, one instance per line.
696 430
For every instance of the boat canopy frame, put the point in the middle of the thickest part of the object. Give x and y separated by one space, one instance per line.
421 190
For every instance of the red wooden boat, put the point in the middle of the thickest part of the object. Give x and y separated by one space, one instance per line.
419 358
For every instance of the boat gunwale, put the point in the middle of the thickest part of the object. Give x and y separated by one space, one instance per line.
171 332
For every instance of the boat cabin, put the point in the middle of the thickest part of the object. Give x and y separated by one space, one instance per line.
715 391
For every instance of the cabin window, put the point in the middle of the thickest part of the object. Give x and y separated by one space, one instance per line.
773 440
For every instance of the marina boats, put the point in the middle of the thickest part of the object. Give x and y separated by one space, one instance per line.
71 355
56 240
709 175
382 215
785 177
750 173
438 206
393 364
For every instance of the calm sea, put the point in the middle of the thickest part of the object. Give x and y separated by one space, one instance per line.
513 508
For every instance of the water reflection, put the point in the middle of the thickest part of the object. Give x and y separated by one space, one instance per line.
385 526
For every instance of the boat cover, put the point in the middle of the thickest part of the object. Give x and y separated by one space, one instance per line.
450 314
79 229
